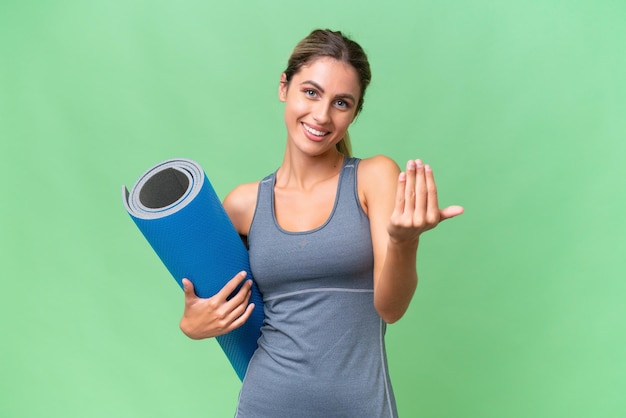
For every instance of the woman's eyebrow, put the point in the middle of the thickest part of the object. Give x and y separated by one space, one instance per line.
339 96
314 84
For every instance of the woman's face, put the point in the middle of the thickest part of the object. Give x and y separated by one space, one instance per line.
320 104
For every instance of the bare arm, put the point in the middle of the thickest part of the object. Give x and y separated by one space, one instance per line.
401 206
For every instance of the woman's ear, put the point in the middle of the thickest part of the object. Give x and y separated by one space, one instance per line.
282 88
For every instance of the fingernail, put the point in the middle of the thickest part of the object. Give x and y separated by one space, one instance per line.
418 163
410 165
427 167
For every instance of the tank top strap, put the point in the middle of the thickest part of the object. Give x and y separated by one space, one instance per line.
264 206
348 193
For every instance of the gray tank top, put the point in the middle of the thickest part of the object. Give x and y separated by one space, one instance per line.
321 351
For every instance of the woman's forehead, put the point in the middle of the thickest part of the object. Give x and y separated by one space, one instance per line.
330 74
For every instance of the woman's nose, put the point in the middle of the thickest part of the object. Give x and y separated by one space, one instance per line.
321 112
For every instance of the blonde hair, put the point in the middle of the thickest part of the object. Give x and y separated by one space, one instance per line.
326 43
344 146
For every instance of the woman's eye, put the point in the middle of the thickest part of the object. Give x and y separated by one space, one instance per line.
342 104
310 93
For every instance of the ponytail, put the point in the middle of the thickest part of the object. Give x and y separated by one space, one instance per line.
344 145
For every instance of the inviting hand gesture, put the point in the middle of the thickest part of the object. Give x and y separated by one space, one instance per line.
417 208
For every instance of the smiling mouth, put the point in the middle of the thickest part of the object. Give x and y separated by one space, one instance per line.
314 131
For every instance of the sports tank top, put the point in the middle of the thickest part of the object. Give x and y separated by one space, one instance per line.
321 352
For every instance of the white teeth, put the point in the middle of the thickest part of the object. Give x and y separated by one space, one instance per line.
313 131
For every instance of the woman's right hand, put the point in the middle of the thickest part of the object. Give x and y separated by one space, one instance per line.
217 315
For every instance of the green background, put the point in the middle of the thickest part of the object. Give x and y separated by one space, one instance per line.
519 106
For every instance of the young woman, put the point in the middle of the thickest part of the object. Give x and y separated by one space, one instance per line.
333 242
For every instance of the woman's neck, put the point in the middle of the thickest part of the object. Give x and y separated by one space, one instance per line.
304 171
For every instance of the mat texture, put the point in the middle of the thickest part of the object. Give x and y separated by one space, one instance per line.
175 207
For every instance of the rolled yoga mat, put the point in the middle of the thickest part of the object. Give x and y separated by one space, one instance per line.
175 207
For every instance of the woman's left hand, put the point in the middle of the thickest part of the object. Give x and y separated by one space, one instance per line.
417 209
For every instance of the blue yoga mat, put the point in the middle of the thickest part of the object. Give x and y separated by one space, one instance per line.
175 207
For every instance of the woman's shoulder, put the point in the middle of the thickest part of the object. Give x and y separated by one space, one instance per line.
240 204
377 179
378 161
375 169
